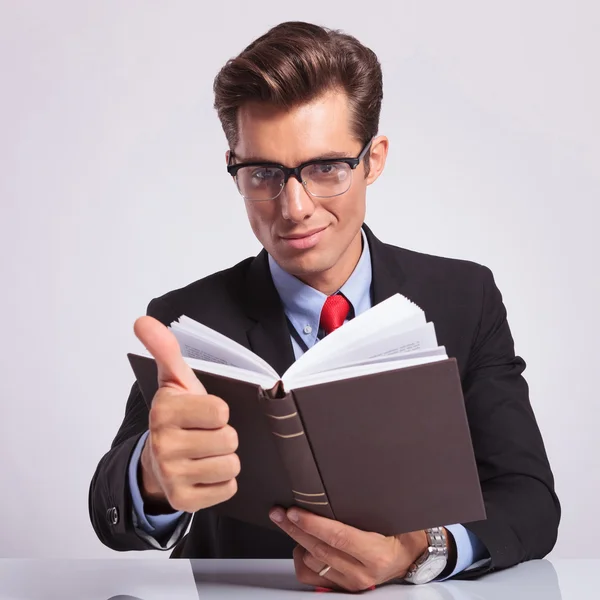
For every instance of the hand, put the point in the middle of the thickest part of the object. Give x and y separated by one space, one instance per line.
359 560
188 461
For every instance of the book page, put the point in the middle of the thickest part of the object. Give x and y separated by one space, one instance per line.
394 315
220 368
200 342
264 380
356 371
422 353
394 344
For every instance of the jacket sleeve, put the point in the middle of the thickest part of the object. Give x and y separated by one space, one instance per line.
110 501
523 511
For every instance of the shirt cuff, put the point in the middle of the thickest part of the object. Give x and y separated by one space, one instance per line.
469 549
158 526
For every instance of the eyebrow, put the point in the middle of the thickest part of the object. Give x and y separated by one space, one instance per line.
326 156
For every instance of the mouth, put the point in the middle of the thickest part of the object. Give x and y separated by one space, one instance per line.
304 240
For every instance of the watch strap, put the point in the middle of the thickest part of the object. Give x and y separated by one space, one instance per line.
437 549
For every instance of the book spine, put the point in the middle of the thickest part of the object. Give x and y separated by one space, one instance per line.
294 449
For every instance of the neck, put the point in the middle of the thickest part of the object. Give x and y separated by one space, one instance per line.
330 281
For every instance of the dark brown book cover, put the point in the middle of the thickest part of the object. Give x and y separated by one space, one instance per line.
389 452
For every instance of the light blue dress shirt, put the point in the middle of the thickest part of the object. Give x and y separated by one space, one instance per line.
302 305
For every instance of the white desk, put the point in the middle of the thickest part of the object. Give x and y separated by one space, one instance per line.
61 579
156 579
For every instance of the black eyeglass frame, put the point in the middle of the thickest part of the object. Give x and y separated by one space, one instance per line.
295 171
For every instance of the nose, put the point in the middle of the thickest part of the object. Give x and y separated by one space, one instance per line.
296 203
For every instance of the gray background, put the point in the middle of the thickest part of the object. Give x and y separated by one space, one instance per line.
114 191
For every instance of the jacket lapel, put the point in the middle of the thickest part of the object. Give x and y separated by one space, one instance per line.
388 276
269 336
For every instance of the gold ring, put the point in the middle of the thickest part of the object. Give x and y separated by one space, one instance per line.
324 570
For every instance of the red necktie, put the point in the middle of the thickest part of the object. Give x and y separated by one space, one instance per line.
334 313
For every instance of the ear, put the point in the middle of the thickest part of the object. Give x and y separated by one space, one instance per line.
227 156
377 157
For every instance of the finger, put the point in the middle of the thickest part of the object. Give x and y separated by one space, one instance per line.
314 564
189 412
337 559
359 581
308 576
365 547
193 444
206 471
193 498
173 371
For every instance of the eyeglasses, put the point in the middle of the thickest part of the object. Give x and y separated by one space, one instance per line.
321 178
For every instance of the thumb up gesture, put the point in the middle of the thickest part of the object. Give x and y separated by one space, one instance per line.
188 461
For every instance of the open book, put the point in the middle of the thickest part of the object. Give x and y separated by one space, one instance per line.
367 427
392 335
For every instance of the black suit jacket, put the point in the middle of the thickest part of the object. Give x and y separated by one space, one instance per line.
461 298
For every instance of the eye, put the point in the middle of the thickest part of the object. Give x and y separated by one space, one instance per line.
324 169
264 174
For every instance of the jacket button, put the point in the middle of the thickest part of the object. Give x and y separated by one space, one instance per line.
113 515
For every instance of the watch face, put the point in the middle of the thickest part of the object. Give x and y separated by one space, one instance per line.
430 569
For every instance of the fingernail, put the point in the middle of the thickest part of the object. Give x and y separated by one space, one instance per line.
293 515
277 516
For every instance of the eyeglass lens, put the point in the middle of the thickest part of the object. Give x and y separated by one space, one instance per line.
320 180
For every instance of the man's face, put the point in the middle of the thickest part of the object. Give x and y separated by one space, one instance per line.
290 138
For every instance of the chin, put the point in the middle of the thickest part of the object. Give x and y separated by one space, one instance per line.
304 265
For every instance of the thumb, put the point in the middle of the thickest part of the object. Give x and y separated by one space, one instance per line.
173 372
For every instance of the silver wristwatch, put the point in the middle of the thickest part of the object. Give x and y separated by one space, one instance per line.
433 561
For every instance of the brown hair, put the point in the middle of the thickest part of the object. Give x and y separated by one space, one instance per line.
294 63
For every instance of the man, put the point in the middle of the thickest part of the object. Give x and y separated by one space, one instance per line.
300 109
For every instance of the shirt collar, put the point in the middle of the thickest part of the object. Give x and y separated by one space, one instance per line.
302 304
